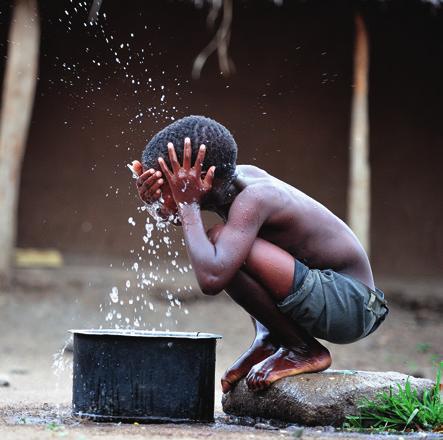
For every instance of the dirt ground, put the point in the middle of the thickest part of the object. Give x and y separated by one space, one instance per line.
42 305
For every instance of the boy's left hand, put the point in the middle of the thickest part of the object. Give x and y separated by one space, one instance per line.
186 182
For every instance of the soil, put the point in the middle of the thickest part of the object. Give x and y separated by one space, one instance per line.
36 315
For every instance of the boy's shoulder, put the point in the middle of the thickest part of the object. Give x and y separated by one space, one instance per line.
258 183
252 182
250 170
259 189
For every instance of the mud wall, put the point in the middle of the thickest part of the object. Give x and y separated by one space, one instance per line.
287 106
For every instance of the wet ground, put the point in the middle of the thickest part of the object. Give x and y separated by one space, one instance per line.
48 422
37 312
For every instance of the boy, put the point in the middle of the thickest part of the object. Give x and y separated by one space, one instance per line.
296 268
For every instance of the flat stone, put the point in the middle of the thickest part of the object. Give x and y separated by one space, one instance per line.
315 399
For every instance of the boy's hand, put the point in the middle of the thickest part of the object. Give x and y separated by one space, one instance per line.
151 186
148 184
136 167
186 183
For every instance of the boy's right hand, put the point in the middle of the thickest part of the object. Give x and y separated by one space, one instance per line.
149 183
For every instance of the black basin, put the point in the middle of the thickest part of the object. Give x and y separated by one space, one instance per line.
140 376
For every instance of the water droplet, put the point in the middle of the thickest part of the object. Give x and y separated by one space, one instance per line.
114 294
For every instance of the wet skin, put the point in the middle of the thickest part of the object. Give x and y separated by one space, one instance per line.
266 224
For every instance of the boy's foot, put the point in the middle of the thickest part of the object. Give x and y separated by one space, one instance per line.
285 362
258 351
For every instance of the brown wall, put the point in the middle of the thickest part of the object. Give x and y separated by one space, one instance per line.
293 63
407 139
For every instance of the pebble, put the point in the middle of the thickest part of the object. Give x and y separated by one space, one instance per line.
328 429
265 426
242 421
19 371
4 382
297 431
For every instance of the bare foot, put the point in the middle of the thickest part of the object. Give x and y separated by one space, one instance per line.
285 362
259 350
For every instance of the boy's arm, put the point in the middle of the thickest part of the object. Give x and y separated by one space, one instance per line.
214 264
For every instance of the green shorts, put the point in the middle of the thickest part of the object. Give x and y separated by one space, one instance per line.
334 307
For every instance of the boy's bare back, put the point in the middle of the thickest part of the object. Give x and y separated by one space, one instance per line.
299 224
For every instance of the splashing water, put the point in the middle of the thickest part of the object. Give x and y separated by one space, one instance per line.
62 367
131 309
128 305
114 294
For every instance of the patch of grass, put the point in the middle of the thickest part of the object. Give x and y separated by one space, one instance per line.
54 426
435 358
423 347
402 410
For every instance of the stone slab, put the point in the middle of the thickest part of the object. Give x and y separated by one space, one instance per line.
318 399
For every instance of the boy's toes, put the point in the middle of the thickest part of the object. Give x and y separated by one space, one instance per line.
250 382
229 379
253 379
264 383
258 378
261 383
226 386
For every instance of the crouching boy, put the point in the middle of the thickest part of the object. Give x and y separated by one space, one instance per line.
294 266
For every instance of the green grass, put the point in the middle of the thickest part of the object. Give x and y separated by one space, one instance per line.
54 426
401 410
423 347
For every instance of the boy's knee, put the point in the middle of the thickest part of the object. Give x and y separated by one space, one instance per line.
214 232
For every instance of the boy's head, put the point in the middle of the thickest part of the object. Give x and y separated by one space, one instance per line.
221 149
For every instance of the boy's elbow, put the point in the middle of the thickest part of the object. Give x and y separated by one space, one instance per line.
211 285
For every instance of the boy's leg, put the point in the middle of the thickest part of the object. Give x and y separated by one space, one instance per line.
269 278
300 352
261 348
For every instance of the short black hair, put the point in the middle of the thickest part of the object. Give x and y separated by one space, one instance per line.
221 149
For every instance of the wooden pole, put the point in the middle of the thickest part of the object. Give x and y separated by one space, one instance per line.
359 192
17 102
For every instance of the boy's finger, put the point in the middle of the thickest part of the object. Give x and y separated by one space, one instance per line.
209 178
187 152
150 198
151 181
173 158
152 189
137 167
145 197
144 176
165 169
199 160
148 175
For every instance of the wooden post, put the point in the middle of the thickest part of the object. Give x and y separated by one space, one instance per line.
359 192
17 102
